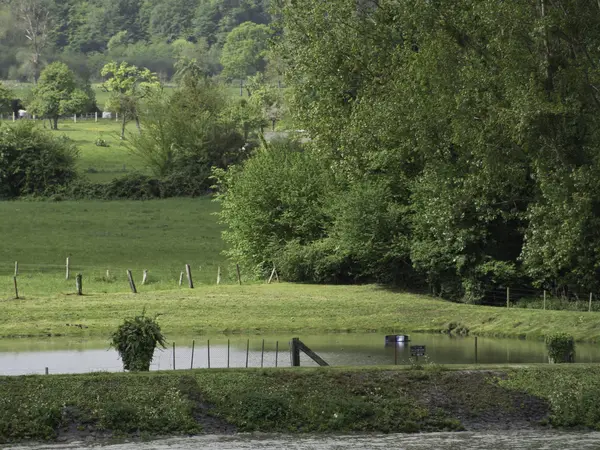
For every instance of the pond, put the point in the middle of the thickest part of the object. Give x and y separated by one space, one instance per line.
61 355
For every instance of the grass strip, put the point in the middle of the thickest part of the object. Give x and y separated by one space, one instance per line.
260 309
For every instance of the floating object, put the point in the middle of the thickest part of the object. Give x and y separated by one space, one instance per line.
394 338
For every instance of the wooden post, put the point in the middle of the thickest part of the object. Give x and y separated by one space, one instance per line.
508 297
208 349
131 282
193 345
188 271
239 277
16 289
16 268
276 352
46 371
228 353
218 275
79 284
544 299
68 274
74 118
272 275
180 278
107 275
13 116
247 352
590 307
145 277
295 352
475 349
96 118
173 355
262 354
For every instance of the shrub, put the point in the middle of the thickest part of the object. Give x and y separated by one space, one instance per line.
135 340
33 161
561 348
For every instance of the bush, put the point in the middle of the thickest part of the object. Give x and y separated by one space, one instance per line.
561 348
135 340
33 161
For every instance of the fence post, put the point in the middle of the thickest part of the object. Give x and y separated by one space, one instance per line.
544 299
193 345
228 353
74 118
16 268
295 352
508 297
276 352
13 116
180 278
145 277
208 349
96 118
68 272
79 284
590 307
272 275
239 277
46 371
188 271
395 353
131 282
173 355
16 289
218 275
247 351
475 349
262 354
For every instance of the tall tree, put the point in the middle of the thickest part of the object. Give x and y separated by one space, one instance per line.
35 19
128 85
245 50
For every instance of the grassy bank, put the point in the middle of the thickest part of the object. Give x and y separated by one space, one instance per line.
308 400
160 236
282 307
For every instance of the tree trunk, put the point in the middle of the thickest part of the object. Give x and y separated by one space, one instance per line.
55 123
137 123
123 127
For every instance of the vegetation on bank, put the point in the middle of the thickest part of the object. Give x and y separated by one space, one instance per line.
296 401
260 309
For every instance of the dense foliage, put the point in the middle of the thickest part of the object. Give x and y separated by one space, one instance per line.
86 35
33 161
135 340
459 137
561 348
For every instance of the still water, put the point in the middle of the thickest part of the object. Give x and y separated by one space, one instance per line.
61 355
529 440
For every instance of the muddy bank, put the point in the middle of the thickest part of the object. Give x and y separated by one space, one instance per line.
108 407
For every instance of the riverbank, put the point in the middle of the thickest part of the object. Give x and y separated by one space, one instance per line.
105 407
286 308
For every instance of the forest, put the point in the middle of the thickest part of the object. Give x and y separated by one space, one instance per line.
87 34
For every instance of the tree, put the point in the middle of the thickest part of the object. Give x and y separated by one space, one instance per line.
186 133
57 94
135 340
35 19
245 50
6 97
128 86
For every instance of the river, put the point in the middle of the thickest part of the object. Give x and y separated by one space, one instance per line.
523 440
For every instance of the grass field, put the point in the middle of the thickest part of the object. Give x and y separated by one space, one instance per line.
160 236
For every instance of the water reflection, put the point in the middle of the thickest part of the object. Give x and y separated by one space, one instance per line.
60 355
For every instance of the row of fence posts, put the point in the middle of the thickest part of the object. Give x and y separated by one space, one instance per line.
262 353
544 301
188 274
81 117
